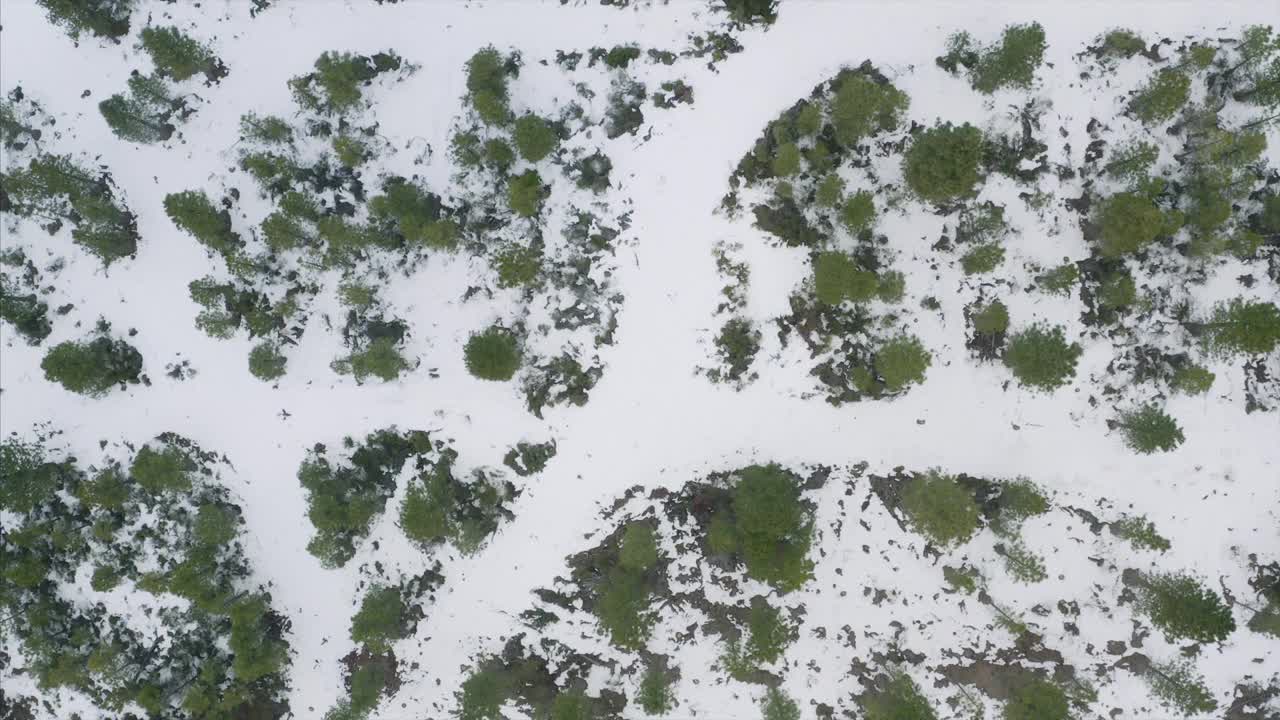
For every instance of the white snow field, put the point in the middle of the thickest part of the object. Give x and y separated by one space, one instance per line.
652 420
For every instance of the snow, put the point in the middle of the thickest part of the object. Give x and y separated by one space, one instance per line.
651 421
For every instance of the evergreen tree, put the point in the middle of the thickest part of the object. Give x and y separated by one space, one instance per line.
92 367
1040 357
1185 609
381 620
103 18
943 163
176 55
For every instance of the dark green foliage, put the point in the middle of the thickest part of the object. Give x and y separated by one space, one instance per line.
784 219
487 73
535 138
1061 279
438 508
266 362
1133 161
863 107
103 18
1149 429
901 361
776 705
192 212
1127 223
829 191
1179 686
623 608
654 696
344 497
736 347
222 655
940 508
752 12
1242 327
417 216
1040 357
991 319
943 163
982 259
26 313
1013 62
1117 290
381 620
493 354
268 129
1162 97
56 188
1139 532
639 548
768 633
175 54
335 85
92 367
528 458
525 193
620 56
899 699
1037 700
1185 609
143 114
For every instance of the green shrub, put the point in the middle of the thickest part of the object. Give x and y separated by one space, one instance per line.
859 212
639 548
768 633
771 527
1060 279
786 160
1038 699
535 137
902 361
1127 223
1139 532
736 346
831 189
1243 327
943 163
164 471
525 193
381 359
837 277
863 107
1149 429
1040 357
1162 96
982 259
381 619
991 319
482 696
654 696
1117 290
92 367
940 508
493 354
1121 43
498 154
1192 380
350 151
1184 609
518 266
266 361
891 286
900 699
776 705
487 86
1013 62
623 609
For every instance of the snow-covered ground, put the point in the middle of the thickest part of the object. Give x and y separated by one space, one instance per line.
652 420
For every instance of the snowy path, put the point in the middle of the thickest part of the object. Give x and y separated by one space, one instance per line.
650 421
